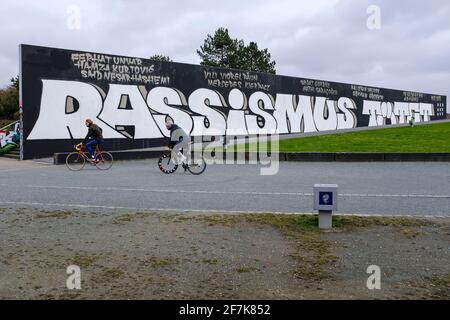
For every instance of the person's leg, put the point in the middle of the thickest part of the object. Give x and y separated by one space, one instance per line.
176 148
184 151
99 143
90 147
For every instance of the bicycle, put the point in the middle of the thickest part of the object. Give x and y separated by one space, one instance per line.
76 161
194 166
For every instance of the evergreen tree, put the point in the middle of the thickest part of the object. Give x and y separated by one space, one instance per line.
221 50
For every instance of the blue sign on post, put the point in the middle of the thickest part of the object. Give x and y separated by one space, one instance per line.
326 198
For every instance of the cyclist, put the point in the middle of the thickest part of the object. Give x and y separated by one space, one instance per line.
412 121
179 140
95 133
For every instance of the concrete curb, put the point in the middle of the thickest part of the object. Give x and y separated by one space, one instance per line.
417 157
60 158
316 157
339 157
366 157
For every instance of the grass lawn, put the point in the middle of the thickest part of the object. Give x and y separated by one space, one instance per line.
423 138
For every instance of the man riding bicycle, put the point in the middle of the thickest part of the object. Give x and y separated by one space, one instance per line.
95 133
179 140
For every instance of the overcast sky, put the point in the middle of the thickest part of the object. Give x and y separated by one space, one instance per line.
321 39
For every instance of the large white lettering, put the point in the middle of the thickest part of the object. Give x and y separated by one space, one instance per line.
130 111
397 112
325 114
125 107
64 107
236 124
346 119
168 102
294 117
261 122
211 122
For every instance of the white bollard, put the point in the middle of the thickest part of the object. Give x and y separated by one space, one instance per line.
325 200
325 219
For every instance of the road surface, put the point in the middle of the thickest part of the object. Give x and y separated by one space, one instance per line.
418 189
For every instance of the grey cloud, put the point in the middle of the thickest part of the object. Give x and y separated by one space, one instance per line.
324 39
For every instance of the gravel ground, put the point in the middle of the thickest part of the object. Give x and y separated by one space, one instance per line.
129 255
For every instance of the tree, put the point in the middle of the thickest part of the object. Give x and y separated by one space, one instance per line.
160 57
221 50
9 103
15 82
9 100
254 59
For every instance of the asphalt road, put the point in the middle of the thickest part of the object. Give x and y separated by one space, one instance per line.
419 189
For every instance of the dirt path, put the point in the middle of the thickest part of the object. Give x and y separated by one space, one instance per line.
169 256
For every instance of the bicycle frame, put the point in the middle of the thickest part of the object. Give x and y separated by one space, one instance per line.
188 165
96 153
186 151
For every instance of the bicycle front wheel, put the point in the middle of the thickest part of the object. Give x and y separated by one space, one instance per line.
104 160
166 164
197 166
75 161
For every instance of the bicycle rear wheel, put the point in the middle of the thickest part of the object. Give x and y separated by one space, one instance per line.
75 161
197 166
166 164
104 160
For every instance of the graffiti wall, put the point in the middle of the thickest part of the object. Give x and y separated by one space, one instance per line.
9 138
131 97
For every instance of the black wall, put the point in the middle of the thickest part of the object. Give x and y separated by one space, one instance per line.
40 63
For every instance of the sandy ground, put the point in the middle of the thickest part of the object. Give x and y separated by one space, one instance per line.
138 255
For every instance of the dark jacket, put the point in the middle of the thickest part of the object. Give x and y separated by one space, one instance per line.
173 128
94 132
177 135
